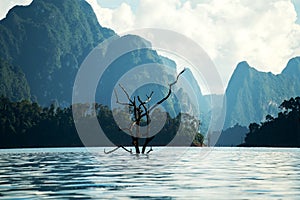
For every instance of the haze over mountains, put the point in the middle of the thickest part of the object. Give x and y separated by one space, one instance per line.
44 44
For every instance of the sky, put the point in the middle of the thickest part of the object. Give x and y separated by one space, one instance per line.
263 33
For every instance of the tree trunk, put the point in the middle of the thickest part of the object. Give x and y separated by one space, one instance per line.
146 143
135 143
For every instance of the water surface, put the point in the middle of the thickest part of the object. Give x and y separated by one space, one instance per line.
167 173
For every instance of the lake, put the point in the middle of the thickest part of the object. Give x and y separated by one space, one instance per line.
167 173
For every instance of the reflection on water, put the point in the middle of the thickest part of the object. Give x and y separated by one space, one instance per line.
224 173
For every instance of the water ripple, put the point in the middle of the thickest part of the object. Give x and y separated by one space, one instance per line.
75 173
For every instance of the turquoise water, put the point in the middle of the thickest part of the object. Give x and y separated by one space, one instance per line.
167 173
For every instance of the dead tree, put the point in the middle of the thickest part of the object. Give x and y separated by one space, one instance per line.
141 110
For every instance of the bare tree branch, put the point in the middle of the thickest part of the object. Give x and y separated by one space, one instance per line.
149 97
115 149
130 151
128 129
141 109
131 127
147 100
128 97
125 104
148 139
142 103
146 113
169 92
177 77
149 150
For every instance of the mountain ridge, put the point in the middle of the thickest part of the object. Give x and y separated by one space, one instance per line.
50 39
46 39
293 67
68 30
252 94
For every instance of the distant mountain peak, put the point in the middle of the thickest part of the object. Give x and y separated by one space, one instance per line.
252 94
293 67
244 66
134 41
242 70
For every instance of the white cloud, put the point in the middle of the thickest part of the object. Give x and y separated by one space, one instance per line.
123 16
6 5
264 33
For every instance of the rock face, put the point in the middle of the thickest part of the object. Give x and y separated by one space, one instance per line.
251 94
44 44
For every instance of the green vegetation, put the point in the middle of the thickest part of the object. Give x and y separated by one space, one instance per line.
47 41
13 83
42 47
26 124
44 44
282 131
198 140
